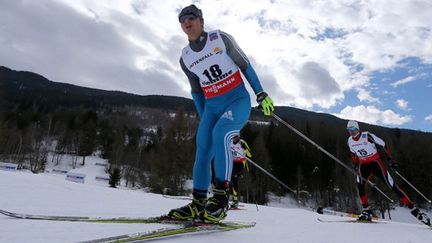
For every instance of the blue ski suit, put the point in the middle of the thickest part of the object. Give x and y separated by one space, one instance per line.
213 64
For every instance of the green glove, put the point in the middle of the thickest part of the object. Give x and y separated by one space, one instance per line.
265 103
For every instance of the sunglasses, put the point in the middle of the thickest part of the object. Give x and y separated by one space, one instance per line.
351 129
189 17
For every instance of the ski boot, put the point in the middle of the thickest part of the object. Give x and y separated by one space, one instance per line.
235 200
217 206
234 205
190 211
422 217
366 214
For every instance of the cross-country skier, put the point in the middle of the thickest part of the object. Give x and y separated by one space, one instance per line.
212 61
241 150
367 162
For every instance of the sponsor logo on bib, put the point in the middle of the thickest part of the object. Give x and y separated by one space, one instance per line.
213 36
217 50
222 86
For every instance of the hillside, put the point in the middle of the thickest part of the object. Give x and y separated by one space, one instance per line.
150 137
31 89
27 89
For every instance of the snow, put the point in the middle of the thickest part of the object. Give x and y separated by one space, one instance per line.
51 194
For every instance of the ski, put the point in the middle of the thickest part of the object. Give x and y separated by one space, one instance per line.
240 207
131 220
350 221
164 219
177 197
188 229
327 211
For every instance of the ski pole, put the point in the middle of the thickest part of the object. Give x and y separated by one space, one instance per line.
329 154
421 194
265 171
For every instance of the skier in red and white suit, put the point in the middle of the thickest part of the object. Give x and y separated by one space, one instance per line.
367 162
241 152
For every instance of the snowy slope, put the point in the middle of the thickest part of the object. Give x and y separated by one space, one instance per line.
51 194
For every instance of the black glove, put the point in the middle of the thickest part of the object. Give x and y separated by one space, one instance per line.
393 164
356 166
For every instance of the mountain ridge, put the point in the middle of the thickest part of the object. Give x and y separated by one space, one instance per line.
29 89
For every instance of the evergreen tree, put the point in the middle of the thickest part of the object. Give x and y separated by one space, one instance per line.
87 134
115 177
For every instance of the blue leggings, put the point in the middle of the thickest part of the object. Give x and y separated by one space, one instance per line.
219 123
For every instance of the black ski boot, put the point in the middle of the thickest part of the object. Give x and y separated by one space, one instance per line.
234 205
190 211
217 206
422 217
366 214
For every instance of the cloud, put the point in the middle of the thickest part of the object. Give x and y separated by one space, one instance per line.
428 118
373 115
307 53
402 104
89 49
403 81
364 95
317 85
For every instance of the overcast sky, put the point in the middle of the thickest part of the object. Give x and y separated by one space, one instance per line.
364 60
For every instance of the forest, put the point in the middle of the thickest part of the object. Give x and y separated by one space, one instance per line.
151 140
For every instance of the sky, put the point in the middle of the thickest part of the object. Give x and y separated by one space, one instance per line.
282 221
365 60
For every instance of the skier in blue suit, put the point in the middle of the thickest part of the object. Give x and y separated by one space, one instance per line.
212 61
